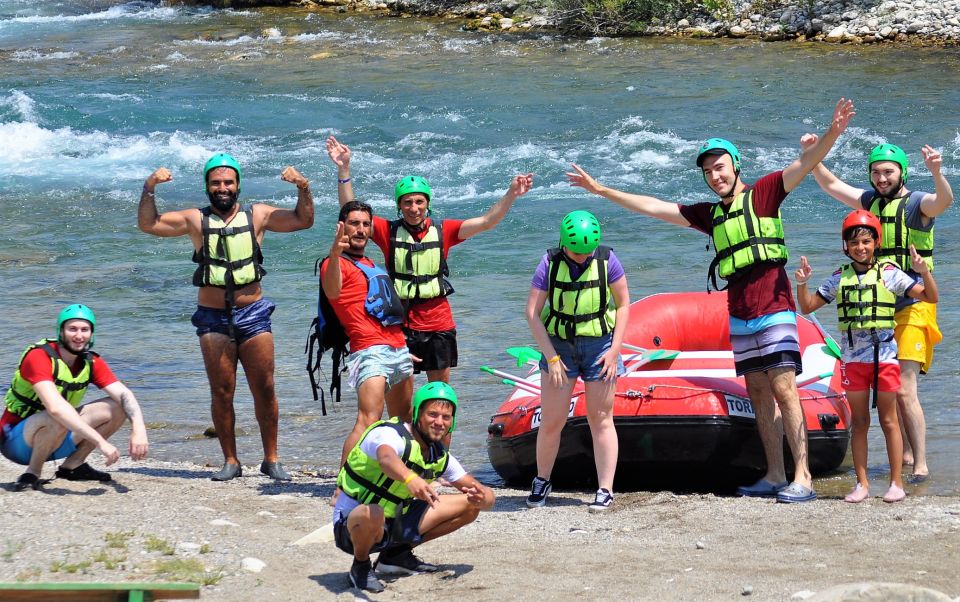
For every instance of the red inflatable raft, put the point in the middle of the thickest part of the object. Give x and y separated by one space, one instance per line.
677 414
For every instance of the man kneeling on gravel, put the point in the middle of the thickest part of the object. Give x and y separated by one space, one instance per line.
387 504
43 418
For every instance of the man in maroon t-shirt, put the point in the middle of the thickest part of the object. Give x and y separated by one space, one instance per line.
44 417
763 326
430 330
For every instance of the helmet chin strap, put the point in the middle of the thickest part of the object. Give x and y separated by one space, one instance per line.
733 189
894 192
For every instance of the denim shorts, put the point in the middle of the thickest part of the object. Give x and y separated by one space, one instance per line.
15 447
392 363
581 356
249 320
404 529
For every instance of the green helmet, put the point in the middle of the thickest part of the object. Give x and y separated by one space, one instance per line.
719 146
411 184
580 232
222 160
77 312
889 152
435 390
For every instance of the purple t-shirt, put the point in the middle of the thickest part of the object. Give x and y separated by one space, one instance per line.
542 275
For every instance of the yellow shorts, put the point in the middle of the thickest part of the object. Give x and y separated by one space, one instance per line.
917 333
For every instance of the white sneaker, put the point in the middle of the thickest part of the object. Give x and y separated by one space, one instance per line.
602 502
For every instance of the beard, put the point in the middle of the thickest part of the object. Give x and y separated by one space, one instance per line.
69 346
223 201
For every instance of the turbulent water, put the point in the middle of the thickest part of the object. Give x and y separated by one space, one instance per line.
96 95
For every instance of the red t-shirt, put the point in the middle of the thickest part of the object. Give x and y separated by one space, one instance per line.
765 289
363 329
36 367
433 315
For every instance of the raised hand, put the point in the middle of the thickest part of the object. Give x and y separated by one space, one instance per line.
808 141
160 176
842 115
582 179
341 242
521 185
917 262
290 174
932 159
805 272
339 153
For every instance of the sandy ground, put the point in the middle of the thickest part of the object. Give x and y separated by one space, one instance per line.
162 521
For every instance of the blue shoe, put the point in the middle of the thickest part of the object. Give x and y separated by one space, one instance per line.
762 488
795 493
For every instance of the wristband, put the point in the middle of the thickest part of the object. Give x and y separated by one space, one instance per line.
554 359
339 181
409 478
145 191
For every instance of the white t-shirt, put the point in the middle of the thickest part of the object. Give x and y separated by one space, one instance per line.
387 435
897 282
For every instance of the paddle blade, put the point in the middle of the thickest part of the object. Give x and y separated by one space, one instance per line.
524 355
831 348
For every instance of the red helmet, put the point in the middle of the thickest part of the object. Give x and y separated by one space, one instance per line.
861 218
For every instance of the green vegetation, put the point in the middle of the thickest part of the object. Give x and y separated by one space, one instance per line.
621 17
70 567
118 539
155 544
108 561
188 569
10 549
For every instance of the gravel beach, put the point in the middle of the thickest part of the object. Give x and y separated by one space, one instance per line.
159 521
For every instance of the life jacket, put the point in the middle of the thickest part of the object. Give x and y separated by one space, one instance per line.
418 268
362 478
743 240
23 401
327 333
583 307
863 302
897 236
230 256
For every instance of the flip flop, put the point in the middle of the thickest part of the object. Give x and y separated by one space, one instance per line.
795 493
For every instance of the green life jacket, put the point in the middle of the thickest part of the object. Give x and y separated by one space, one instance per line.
897 236
418 268
362 478
23 401
583 307
743 240
863 302
230 256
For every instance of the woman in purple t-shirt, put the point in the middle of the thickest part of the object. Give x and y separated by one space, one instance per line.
577 311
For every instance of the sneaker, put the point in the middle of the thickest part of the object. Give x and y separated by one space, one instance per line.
362 577
402 562
84 472
27 479
539 491
602 502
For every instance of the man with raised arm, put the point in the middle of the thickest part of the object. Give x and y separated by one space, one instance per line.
232 317
747 233
416 248
44 417
907 218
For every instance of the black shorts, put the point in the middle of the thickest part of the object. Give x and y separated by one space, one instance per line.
402 530
438 350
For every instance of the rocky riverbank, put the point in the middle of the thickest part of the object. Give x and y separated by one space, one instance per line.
914 22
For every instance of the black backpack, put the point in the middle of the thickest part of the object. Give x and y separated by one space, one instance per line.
326 334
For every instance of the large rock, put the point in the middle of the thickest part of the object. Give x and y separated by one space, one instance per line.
836 34
879 592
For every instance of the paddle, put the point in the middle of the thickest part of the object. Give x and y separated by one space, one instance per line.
832 349
525 355
510 379
813 379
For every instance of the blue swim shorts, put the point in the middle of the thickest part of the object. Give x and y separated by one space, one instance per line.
392 363
581 356
15 448
249 321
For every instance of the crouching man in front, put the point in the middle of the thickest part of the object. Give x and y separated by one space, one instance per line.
388 505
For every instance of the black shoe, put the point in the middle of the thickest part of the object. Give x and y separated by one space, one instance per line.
274 470
539 491
363 577
229 471
27 479
402 562
84 472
